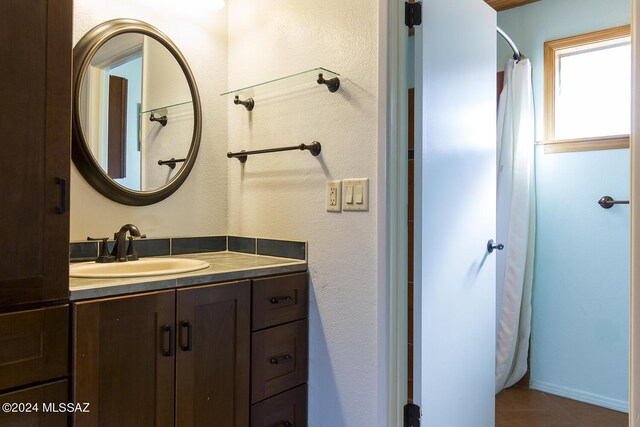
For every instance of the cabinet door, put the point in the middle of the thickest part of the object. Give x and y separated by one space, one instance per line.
35 130
124 358
213 355
34 346
52 395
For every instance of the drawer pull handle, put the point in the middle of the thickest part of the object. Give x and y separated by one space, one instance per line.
279 360
281 300
189 346
62 207
287 424
167 350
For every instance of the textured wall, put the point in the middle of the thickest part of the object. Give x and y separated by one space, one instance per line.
200 205
282 195
580 325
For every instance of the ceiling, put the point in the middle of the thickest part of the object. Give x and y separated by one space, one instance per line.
499 5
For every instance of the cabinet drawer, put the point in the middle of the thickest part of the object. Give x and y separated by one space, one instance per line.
278 300
279 359
54 394
286 409
33 346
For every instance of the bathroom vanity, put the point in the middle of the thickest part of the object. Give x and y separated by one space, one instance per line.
226 345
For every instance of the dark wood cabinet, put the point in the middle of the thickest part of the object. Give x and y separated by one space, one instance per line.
52 395
279 359
124 360
286 409
213 355
279 299
280 351
136 358
35 135
189 358
33 346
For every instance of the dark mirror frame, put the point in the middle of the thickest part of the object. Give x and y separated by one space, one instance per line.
82 157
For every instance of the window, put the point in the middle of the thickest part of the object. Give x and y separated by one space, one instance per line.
588 91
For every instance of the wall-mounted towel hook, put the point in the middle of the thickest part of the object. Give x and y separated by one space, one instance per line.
248 103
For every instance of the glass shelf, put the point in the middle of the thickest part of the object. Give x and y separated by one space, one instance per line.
303 77
166 107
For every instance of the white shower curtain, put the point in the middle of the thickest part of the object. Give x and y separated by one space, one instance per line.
515 223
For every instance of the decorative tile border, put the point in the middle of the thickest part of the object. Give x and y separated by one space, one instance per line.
87 251
192 245
282 248
152 247
245 245
83 251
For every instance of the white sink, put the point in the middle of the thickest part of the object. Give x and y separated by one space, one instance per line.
141 268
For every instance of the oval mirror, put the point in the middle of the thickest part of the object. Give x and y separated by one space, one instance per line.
136 112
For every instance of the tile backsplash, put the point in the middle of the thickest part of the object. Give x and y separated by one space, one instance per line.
88 251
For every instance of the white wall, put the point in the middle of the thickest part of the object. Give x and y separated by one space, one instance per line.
200 205
282 195
164 85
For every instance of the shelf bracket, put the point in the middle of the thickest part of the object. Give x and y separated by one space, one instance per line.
249 103
332 84
162 119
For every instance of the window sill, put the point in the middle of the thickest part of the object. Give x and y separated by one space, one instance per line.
586 144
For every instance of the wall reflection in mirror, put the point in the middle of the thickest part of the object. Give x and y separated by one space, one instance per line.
136 110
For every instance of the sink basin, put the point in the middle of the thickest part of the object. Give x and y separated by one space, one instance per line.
141 268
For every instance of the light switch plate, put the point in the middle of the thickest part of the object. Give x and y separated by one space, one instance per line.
355 194
334 193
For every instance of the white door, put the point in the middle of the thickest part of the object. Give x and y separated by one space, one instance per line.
455 206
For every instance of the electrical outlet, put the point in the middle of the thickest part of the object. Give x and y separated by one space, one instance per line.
334 193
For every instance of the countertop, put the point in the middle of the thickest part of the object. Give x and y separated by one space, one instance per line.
225 266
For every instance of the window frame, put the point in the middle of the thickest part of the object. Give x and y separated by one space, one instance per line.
552 50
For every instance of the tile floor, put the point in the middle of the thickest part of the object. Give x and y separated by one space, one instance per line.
522 407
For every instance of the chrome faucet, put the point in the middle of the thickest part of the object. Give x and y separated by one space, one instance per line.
120 238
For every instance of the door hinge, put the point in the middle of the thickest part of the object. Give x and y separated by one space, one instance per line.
412 14
411 415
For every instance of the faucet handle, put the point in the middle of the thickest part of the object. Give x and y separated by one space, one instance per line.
131 252
103 250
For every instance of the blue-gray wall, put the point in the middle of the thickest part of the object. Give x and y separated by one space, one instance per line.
580 325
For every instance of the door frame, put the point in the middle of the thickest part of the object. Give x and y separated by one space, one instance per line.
393 64
634 306
397 200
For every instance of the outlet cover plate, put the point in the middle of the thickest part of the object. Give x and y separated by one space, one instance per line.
355 194
334 199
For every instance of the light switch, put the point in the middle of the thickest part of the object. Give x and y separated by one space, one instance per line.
356 194
349 194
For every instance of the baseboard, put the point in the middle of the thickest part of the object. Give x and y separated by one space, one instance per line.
582 396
